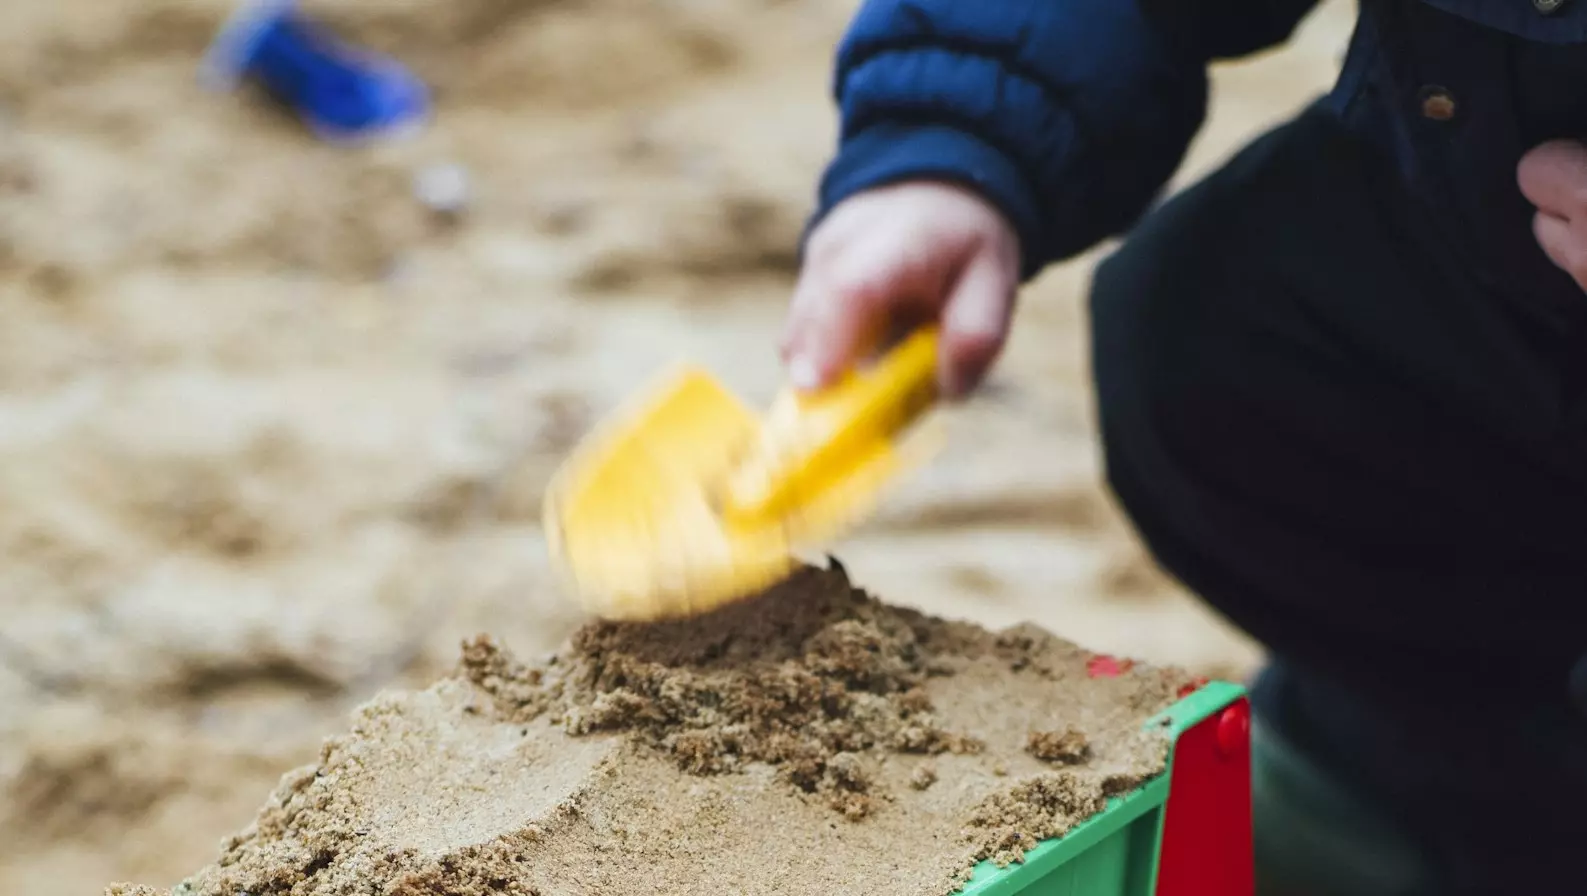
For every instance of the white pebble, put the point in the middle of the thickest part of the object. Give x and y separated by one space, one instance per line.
443 187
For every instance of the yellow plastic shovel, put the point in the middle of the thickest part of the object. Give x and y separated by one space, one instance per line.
686 500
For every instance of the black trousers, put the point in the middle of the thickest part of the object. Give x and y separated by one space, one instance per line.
1322 423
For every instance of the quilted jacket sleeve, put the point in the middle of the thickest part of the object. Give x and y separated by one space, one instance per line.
1069 115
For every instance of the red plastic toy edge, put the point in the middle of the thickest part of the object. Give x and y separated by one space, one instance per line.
1206 847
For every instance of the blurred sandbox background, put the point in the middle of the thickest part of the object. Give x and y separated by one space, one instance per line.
272 435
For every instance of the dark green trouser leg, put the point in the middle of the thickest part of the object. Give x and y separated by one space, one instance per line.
1315 838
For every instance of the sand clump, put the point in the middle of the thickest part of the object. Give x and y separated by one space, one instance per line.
812 740
1068 746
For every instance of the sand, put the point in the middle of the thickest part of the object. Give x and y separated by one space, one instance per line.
273 434
809 741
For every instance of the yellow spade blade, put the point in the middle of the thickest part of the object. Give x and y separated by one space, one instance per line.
628 517
686 500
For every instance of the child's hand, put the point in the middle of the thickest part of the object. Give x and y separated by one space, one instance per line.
1553 177
897 256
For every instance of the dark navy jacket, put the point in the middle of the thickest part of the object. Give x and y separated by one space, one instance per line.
1071 115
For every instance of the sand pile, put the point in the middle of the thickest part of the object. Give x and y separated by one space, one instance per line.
813 740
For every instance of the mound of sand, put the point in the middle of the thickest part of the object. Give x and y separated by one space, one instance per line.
811 741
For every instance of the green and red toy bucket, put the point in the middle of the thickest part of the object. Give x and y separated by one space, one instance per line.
1185 833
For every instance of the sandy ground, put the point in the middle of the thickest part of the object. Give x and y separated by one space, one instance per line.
272 436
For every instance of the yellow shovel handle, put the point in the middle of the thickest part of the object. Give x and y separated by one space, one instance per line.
810 437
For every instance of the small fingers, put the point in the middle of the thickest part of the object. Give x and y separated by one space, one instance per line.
1561 244
1553 177
840 312
801 310
975 323
906 254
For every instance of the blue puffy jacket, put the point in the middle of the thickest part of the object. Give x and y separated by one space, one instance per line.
1071 115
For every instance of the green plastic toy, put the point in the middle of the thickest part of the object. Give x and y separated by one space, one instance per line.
1185 833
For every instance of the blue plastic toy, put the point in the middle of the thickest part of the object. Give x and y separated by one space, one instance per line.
340 92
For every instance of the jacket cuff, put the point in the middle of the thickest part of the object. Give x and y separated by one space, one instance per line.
890 152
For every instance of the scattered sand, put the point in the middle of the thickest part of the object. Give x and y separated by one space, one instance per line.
1068 746
813 740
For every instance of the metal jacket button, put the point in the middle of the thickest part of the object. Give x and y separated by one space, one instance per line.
1438 104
